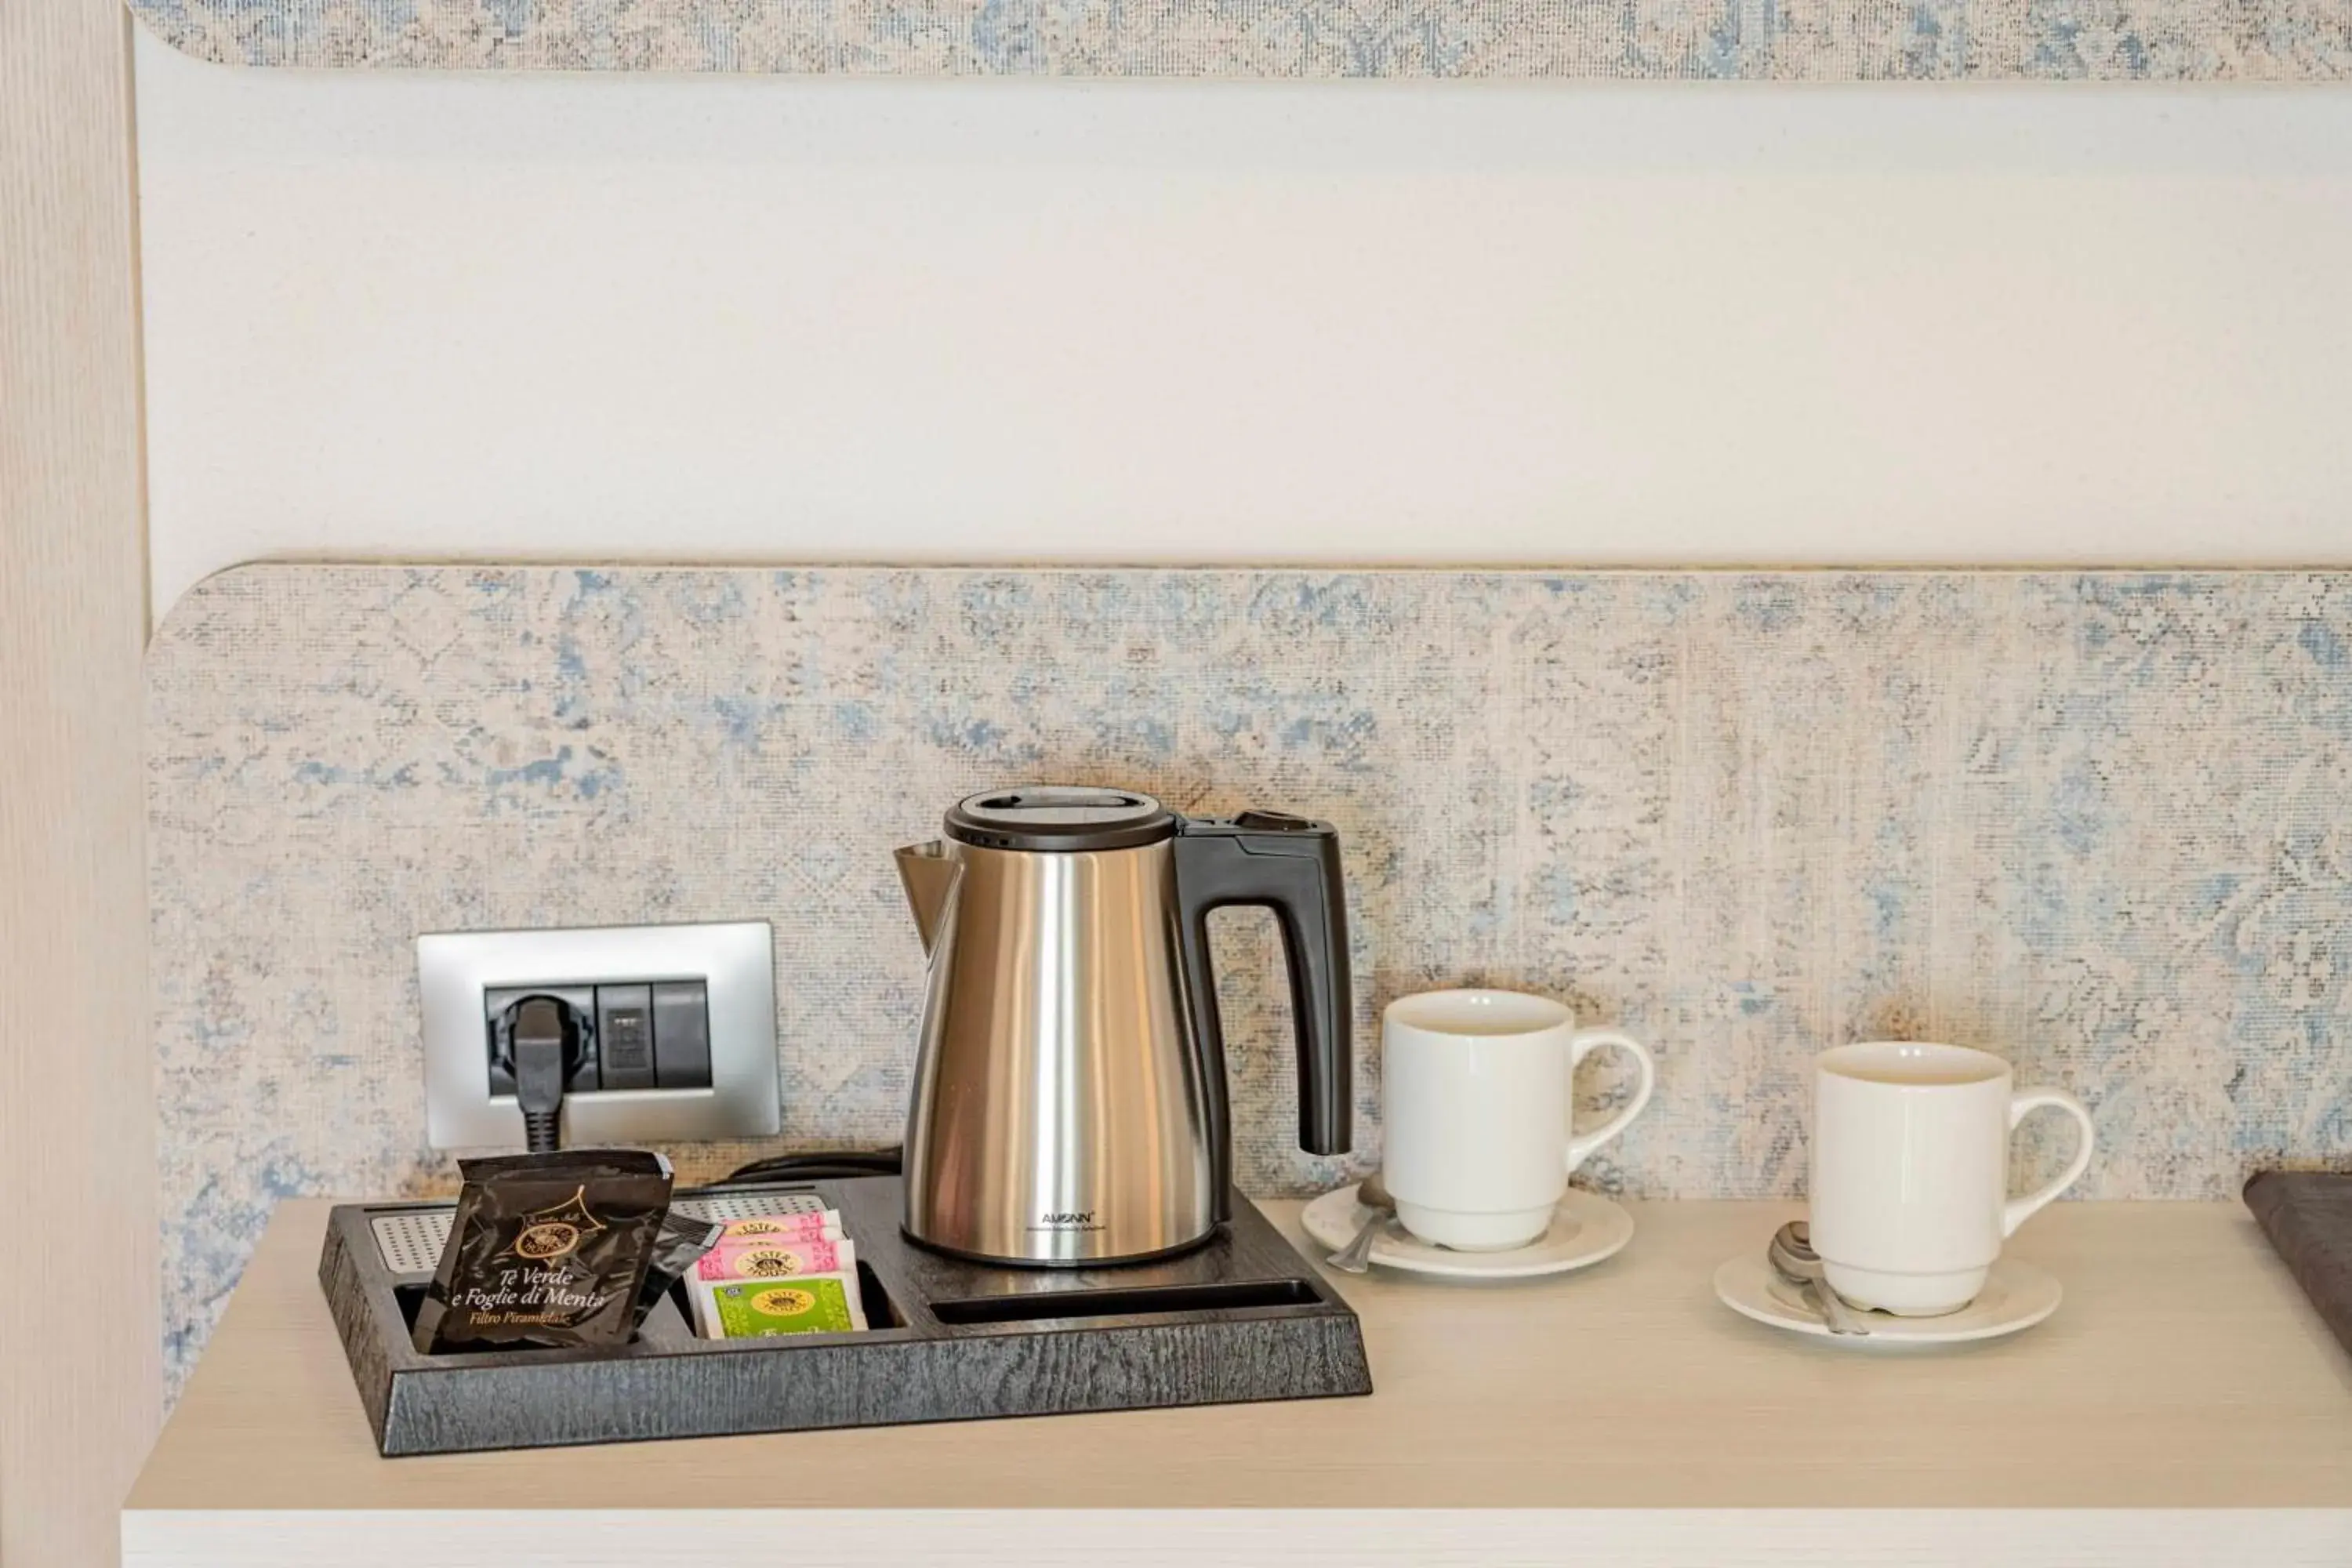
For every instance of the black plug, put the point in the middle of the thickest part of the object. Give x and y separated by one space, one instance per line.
546 1036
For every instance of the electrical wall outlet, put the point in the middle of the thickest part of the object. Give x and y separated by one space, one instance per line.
676 1030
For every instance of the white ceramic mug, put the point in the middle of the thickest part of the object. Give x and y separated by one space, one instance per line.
1478 1102
1910 1170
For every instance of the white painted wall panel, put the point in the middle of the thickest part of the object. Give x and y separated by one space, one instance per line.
720 319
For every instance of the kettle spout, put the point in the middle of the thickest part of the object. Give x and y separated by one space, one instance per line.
931 878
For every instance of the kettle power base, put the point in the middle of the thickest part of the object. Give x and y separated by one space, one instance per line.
1241 1318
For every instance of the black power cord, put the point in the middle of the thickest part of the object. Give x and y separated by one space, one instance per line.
830 1165
546 1044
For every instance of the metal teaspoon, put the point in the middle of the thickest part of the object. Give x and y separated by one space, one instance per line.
1792 1259
1356 1257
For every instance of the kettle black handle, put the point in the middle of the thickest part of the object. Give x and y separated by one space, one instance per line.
1291 866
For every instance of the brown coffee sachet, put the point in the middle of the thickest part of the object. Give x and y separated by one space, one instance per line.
678 1246
547 1249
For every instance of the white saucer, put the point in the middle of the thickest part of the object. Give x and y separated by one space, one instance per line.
2016 1296
1585 1228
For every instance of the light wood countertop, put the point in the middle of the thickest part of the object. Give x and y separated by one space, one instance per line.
2184 1371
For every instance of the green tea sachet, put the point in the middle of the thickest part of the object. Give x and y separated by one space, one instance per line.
761 1309
547 1249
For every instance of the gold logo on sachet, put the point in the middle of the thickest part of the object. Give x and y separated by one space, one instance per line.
557 1232
543 1243
767 1262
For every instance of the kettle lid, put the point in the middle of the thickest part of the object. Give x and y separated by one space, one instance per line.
1062 818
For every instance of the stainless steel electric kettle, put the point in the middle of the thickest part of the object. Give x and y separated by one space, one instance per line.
1069 1100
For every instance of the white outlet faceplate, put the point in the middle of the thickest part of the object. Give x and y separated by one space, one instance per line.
735 961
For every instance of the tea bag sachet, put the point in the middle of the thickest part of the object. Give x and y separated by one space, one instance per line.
765 1259
761 1309
547 1249
778 1274
822 1223
678 1246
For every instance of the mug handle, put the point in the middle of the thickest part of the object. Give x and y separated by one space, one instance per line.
2021 1104
1582 1044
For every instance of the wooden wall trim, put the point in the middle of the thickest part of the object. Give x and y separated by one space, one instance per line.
79 1375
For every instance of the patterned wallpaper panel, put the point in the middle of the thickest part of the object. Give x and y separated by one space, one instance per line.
1774 40
2099 824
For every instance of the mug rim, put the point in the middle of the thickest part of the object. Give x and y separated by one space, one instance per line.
1839 1060
1542 1013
